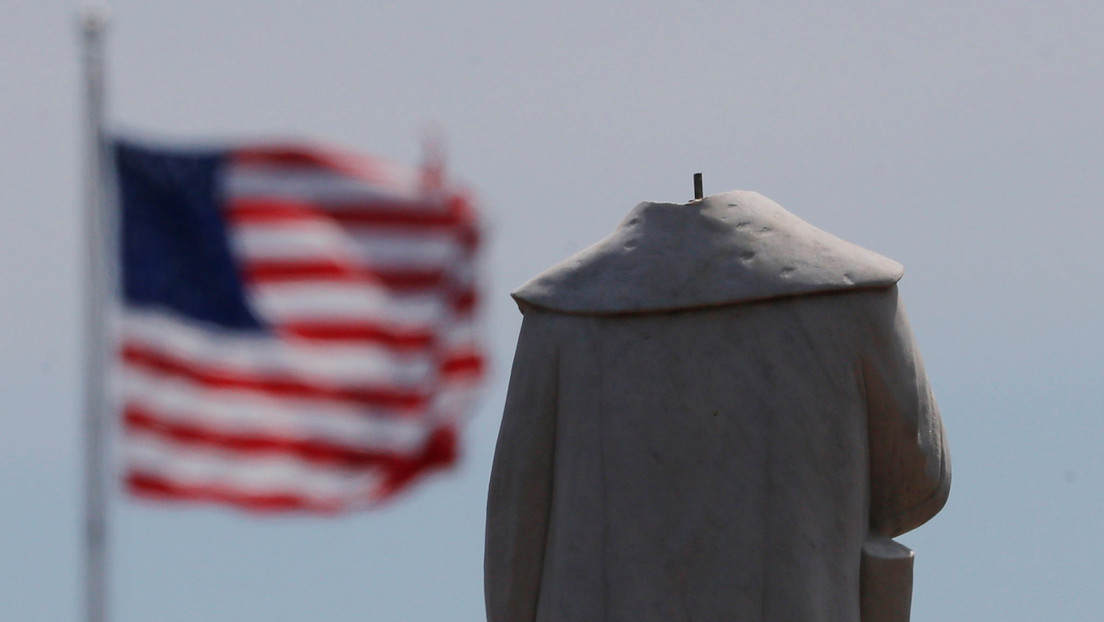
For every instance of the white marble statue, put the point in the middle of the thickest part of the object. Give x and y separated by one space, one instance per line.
710 413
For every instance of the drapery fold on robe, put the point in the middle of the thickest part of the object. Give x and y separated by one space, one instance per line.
721 461
910 475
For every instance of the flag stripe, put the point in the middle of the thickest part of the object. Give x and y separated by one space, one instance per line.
326 270
268 210
314 451
157 459
233 411
315 185
260 354
253 473
215 377
155 487
402 312
324 240
464 363
321 302
299 158
346 332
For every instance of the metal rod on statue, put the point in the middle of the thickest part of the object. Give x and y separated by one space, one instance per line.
93 21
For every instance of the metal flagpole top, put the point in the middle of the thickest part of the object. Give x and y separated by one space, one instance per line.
94 17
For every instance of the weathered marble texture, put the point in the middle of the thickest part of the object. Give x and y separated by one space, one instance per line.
732 247
723 459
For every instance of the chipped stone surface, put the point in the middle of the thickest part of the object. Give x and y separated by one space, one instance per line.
673 453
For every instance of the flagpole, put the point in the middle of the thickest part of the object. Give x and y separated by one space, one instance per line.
93 22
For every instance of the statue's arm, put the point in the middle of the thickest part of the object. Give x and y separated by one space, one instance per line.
520 494
910 469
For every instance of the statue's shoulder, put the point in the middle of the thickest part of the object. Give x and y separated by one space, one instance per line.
728 248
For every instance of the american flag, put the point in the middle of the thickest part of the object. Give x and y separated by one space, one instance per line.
297 325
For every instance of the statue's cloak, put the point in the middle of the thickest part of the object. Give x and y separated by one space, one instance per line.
708 413
728 248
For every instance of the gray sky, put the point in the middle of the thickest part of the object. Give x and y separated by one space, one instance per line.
965 140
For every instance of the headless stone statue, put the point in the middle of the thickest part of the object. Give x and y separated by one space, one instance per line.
716 413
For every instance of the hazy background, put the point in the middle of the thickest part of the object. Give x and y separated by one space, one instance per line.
965 140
